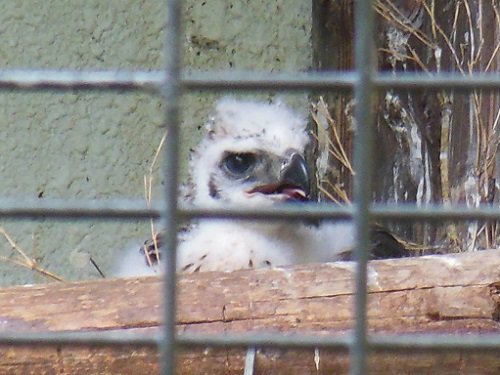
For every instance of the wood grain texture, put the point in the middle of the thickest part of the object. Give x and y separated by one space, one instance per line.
444 293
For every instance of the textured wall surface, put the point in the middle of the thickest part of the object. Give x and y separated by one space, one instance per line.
100 145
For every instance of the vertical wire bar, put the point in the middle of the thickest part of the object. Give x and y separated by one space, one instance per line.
171 91
363 145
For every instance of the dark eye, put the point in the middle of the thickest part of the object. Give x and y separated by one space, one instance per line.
239 164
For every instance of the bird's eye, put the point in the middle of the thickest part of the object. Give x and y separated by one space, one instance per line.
239 164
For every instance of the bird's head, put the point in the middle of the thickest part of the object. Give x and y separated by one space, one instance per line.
252 155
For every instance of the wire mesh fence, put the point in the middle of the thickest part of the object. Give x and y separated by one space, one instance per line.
171 84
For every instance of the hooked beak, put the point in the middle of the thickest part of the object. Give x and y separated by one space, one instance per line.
296 173
293 184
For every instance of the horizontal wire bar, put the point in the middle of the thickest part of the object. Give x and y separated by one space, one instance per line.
264 340
81 80
286 81
488 342
435 212
100 338
137 209
242 80
283 212
76 209
438 81
404 342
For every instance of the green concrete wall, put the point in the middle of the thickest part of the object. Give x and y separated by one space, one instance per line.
100 145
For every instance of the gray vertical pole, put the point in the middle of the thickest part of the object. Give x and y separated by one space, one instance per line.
365 67
171 94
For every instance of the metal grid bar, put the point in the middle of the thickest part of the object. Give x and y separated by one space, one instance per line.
405 342
172 95
243 80
60 209
363 164
386 342
219 81
434 213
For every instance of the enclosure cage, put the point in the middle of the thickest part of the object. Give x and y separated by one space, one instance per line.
171 84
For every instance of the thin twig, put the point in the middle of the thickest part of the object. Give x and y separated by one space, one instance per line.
26 261
148 187
396 17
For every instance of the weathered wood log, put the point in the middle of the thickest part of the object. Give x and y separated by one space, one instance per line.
444 293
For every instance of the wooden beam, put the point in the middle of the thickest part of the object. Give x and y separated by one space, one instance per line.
333 49
457 293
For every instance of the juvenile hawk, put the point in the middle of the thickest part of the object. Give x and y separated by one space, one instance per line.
252 155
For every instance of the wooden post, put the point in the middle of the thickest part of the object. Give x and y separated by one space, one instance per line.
333 49
432 146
